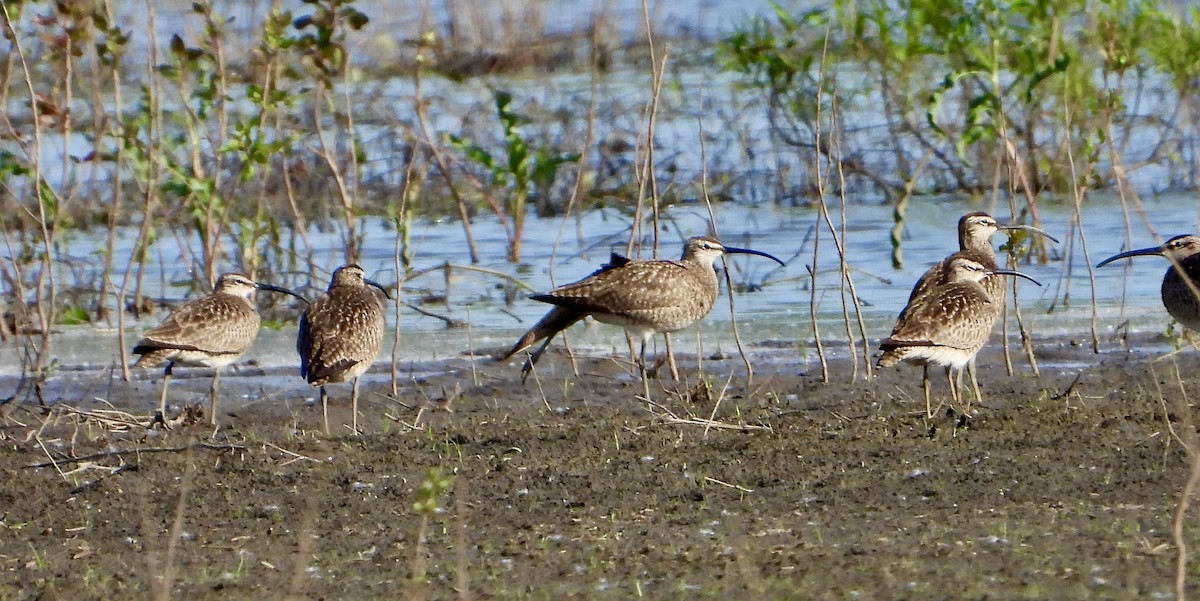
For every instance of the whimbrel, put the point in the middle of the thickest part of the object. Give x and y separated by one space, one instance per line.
975 231
340 334
1179 293
208 332
947 326
643 296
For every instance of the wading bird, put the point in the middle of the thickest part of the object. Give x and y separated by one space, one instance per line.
340 335
975 231
1179 287
946 326
208 332
643 296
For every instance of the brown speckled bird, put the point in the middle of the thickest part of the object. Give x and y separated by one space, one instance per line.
340 335
208 332
975 231
1178 295
946 326
644 297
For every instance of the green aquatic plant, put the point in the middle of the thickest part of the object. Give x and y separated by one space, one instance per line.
518 173
995 95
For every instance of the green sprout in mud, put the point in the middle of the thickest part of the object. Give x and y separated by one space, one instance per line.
453 448
1178 337
40 559
430 492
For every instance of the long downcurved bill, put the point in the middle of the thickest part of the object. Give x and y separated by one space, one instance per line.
1153 250
379 286
1014 273
749 251
279 289
1029 228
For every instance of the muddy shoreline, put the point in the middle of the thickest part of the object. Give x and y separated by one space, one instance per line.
1058 486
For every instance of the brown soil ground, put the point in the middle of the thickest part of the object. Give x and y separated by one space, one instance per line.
571 487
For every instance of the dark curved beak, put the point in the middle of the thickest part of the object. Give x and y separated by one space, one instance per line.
280 289
749 251
1014 273
379 286
1153 250
1029 228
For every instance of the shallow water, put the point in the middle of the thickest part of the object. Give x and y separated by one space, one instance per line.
773 320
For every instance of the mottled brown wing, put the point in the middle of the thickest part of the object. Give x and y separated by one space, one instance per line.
558 318
955 315
215 324
338 332
636 287
927 282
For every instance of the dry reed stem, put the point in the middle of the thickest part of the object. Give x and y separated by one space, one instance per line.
46 288
1186 436
1078 193
1014 158
443 165
401 217
820 183
576 192
207 446
712 222
846 280
644 153
328 155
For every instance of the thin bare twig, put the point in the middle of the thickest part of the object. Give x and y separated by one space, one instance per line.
139 450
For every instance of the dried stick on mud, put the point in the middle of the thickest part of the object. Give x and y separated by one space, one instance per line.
185 491
139 451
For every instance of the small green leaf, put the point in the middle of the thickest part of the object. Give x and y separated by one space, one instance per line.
75 316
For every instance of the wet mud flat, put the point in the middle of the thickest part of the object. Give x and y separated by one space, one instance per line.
1059 486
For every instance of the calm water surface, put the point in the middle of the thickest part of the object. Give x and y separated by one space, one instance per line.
777 311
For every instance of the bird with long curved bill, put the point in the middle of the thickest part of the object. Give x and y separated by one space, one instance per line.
1181 283
213 331
340 335
643 296
947 326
